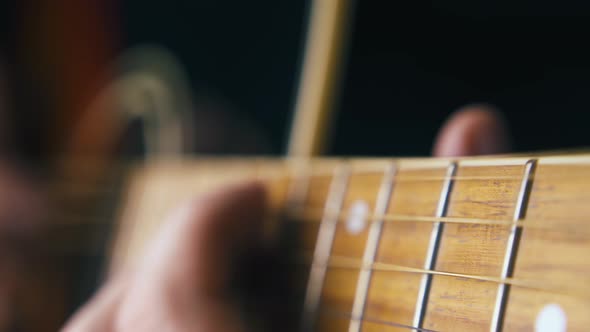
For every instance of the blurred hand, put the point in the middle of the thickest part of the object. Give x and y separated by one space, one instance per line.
182 285
22 211
182 282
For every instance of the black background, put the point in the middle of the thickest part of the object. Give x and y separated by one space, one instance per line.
412 63
409 65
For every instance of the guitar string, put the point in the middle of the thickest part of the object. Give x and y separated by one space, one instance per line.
296 169
313 216
341 314
355 263
269 177
310 216
398 217
58 192
57 185
343 262
71 229
325 310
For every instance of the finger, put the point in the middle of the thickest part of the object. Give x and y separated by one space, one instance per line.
187 271
473 130
196 244
98 314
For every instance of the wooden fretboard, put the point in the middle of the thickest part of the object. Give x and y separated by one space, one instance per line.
471 244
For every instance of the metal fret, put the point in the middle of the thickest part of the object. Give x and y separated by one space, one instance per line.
323 247
512 245
371 247
433 246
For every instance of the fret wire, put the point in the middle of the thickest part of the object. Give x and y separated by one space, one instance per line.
433 246
342 314
371 247
323 246
512 246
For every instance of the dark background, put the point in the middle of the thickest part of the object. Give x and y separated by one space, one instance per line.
413 63
409 65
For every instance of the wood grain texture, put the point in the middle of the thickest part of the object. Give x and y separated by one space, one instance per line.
404 243
362 188
552 265
340 284
456 303
556 256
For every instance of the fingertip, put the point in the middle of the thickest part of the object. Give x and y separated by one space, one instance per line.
245 200
473 130
226 215
253 192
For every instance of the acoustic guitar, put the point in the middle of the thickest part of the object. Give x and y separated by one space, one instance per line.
464 244
469 244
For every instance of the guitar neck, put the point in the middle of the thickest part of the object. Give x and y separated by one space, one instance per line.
390 244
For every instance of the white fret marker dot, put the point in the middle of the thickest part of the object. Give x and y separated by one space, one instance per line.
357 217
551 318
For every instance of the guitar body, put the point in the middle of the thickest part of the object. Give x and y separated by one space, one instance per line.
474 244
